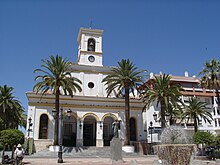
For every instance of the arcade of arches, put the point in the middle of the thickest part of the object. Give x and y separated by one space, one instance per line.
88 127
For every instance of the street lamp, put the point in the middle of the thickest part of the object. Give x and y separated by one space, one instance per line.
54 112
69 113
155 116
151 128
29 126
60 152
29 130
151 132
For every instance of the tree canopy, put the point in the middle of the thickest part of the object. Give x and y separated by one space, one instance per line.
55 77
211 76
11 110
11 137
162 92
196 110
122 80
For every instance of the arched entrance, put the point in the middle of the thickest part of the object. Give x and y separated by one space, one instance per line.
107 130
89 131
133 132
70 130
43 132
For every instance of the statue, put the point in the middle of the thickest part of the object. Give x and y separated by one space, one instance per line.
115 127
116 144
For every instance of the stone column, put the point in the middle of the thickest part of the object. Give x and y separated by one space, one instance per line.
99 134
79 137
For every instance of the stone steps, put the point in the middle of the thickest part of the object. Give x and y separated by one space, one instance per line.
103 152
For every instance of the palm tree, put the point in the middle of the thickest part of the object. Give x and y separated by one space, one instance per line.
162 92
10 109
196 110
123 79
55 76
174 111
211 76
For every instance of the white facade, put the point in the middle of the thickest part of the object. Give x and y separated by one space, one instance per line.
92 112
191 89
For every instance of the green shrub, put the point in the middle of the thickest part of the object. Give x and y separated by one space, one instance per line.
203 138
217 141
1 146
11 137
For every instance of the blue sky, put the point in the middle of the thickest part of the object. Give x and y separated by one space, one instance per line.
171 36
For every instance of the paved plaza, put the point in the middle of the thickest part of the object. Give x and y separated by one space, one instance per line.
147 160
96 156
91 161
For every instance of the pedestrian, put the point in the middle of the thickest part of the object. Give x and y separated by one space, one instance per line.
19 155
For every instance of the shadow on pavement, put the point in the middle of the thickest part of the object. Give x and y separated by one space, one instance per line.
77 149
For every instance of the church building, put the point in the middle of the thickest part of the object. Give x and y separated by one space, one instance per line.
92 112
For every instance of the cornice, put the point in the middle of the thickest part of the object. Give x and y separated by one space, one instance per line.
204 94
32 95
91 106
89 31
90 71
89 52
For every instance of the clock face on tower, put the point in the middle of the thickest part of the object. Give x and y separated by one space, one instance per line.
91 58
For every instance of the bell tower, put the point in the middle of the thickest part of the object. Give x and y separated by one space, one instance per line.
90 47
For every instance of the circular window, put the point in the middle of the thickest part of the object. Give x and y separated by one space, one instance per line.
91 85
91 58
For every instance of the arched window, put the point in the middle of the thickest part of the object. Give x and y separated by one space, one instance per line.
91 45
43 126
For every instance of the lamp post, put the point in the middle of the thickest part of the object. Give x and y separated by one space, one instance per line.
167 117
69 113
151 128
60 152
155 116
145 130
54 113
151 132
28 151
29 126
